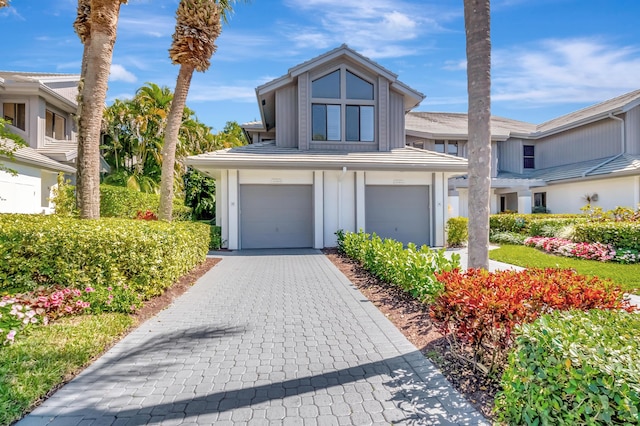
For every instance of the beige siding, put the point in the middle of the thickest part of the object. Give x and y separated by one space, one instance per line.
383 114
597 140
632 123
396 121
510 155
287 117
304 112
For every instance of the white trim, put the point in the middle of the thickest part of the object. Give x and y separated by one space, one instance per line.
318 209
234 211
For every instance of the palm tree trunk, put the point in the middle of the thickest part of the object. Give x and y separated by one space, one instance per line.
174 120
478 35
96 65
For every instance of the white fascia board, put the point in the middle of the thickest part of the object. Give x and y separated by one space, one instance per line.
273 85
631 105
451 136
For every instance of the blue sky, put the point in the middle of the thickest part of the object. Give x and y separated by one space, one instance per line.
550 57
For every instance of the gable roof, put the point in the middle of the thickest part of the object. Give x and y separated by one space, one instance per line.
617 105
447 125
267 155
265 93
32 157
60 87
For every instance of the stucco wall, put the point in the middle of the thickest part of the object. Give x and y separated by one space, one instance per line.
21 193
612 193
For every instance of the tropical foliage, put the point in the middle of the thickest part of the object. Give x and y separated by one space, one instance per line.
573 368
478 310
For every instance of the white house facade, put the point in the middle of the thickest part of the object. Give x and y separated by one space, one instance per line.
330 154
39 108
588 156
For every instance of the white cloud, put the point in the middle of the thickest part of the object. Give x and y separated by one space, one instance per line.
120 73
561 70
378 28
151 25
212 93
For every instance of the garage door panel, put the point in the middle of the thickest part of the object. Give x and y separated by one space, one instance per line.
398 212
276 216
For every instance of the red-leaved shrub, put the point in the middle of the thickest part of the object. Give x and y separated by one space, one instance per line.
478 309
146 215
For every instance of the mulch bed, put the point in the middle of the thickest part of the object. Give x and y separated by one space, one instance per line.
412 318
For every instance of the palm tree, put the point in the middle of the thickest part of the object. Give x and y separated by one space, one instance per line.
198 25
96 25
478 35
4 3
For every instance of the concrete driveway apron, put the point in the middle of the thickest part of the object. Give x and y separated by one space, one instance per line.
265 337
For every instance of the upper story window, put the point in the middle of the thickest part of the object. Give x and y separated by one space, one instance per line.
343 108
55 126
447 147
15 114
529 157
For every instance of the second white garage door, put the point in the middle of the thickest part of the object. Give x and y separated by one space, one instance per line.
276 216
398 212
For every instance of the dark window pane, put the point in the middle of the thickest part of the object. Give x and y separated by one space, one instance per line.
439 146
319 119
353 123
49 124
358 88
366 123
327 86
529 150
529 163
452 148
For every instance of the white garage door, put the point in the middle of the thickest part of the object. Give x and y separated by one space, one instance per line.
276 216
398 212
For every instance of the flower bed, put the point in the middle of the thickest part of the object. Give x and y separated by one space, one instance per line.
567 248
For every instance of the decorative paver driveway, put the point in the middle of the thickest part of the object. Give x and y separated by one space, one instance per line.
265 337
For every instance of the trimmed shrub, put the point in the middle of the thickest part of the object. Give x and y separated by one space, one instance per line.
573 368
552 227
413 269
125 261
529 224
625 235
507 238
216 237
117 201
457 231
478 310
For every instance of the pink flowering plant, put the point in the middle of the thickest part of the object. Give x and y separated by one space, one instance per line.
118 297
14 318
567 248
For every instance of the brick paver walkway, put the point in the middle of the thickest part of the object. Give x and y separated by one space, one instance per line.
265 337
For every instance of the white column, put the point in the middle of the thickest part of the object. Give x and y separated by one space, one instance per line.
439 199
222 200
524 202
234 211
318 209
360 212
453 208
494 208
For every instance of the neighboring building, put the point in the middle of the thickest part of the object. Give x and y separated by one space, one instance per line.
592 155
40 109
330 154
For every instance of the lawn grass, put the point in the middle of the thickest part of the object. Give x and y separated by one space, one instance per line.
626 276
47 356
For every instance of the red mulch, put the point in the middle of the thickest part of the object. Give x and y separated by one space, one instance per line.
411 317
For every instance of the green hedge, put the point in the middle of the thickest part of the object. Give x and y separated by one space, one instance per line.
574 368
118 201
457 231
411 268
126 259
621 235
530 224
